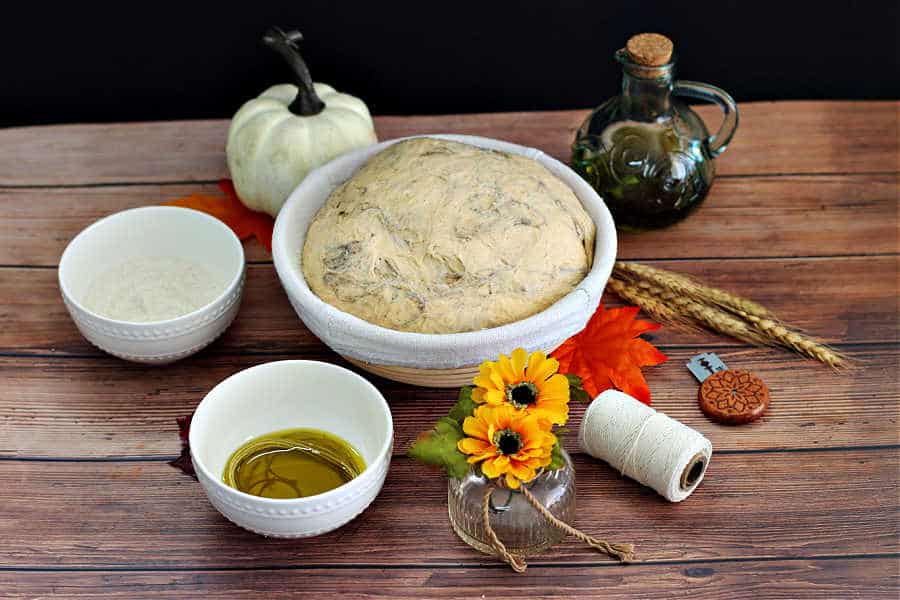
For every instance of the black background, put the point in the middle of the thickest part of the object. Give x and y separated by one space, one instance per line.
152 60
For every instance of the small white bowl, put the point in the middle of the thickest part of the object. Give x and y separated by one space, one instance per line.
165 231
285 395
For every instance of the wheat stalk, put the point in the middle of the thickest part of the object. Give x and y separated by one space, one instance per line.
650 304
684 284
675 308
674 305
798 342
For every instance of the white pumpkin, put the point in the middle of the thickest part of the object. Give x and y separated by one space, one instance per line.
289 130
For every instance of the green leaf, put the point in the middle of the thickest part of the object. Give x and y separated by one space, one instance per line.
556 458
579 395
576 390
464 406
438 448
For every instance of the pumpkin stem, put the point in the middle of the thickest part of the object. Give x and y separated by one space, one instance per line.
307 102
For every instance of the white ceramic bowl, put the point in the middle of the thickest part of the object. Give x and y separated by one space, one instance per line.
285 395
445 360
165 231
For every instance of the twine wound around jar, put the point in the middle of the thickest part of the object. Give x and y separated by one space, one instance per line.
622 552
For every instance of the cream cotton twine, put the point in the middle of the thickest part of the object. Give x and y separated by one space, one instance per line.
645 445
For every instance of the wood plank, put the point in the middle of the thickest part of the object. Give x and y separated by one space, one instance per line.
37 224
781 216
845 300
147 515
744 217
108 408
796 579
782 137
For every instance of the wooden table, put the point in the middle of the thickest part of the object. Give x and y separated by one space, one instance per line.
803 503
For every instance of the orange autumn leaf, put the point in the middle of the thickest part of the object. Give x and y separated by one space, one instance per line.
609 354
244 222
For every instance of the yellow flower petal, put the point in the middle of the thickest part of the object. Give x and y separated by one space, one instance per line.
485 382
476 428
490 452
557 387
505 369
511 482
552 412
540 367
478 396
489 470
486 367
494 397
472 446
522 472
497 380
500 416
501 462
519 360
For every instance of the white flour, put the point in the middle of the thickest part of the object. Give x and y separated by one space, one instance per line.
153 289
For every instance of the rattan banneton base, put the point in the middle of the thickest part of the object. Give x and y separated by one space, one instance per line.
439 378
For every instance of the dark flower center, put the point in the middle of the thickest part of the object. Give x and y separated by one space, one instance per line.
522 394
507 441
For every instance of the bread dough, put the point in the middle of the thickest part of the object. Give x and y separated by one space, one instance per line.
434 236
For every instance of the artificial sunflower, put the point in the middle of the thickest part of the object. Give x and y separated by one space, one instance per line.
525 382
507 442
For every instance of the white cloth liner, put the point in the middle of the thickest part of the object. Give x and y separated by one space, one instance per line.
353 337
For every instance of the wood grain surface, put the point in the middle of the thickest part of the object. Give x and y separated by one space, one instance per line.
800 504
103 407
842 300
773 138
786 216
142 514
822 579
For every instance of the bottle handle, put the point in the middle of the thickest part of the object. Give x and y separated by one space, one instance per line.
718 142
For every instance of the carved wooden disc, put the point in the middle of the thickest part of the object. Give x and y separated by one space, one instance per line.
733 397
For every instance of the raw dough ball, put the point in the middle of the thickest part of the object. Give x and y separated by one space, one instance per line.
434 236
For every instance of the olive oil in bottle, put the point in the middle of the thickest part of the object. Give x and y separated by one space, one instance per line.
646 152
292 463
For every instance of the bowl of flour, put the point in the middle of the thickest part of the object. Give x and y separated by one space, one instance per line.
153 284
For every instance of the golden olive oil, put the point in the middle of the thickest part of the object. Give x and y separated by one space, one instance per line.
292 463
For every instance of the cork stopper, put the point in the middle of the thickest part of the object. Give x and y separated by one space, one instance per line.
649 49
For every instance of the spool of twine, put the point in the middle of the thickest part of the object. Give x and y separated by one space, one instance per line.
645 445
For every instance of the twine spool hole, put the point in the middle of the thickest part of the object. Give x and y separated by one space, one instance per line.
693 471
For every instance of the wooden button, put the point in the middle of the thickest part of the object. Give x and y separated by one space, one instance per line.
733 397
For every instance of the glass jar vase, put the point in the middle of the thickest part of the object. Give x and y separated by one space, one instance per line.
521 528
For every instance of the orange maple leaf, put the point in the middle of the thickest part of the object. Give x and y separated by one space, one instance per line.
244 222
607 353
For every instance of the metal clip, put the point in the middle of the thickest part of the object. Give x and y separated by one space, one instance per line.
704 365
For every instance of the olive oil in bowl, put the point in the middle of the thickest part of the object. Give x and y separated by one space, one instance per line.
292 463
